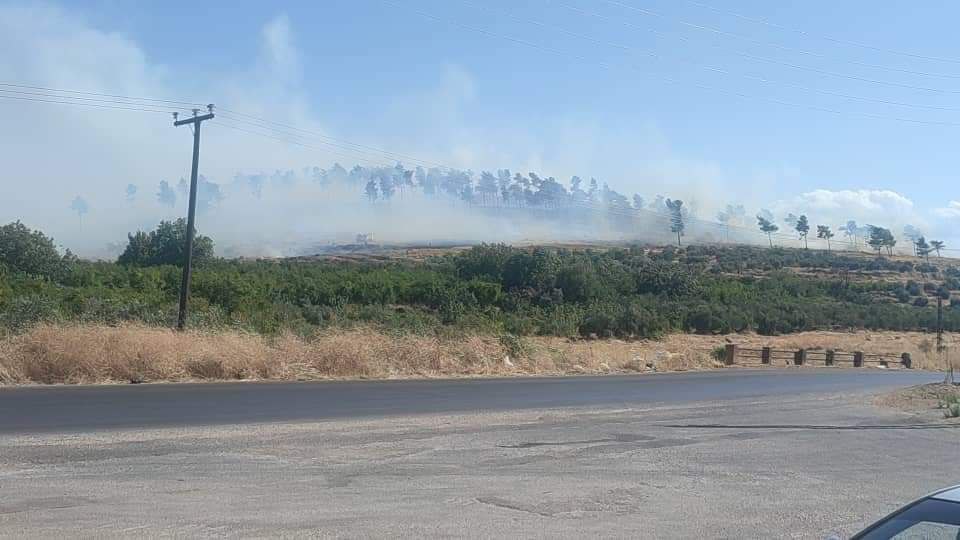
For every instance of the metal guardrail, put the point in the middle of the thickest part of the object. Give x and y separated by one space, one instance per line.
735 354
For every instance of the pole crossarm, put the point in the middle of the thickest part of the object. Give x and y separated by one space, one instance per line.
193 120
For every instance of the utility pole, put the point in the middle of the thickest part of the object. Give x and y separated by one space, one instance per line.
194 121
941 349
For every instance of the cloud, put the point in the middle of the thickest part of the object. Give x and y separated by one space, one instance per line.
951 211
881 207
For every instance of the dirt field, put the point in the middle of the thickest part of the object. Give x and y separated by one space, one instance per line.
929 400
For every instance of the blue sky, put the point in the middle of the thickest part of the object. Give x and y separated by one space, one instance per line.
382 73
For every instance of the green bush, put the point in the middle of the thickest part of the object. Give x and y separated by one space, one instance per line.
950 406
31 252
165 245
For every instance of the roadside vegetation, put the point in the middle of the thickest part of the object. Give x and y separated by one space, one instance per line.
951 406
632 292
490 309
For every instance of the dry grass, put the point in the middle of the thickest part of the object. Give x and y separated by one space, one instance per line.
84 354
73 354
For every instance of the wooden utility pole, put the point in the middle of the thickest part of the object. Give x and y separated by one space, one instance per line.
941 349
194 121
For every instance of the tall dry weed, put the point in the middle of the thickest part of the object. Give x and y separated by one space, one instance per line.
71 354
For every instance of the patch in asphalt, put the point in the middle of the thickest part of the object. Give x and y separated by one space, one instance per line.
44 503
616 438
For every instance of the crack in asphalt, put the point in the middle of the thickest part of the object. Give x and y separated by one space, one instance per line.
509 505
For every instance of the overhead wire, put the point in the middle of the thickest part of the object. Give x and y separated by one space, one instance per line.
768 60
755 41
82 99
84 104
320 138
832 39
220 123
99 94
46 94
330 138
707 67
671 80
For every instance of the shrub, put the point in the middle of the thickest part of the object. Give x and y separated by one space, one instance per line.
165 245
30 252
578 282
950 406
25 311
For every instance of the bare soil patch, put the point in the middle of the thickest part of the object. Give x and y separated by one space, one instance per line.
921 398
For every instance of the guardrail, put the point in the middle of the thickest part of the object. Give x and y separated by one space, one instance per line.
737 355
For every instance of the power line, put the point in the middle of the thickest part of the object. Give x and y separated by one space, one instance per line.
219 123
765 22
773 60
734 35
323 139
714 69
82 104
291 141
46 94
668 79
334 139
87 99
80 92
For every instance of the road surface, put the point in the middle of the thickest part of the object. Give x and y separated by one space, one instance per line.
88 408
732 454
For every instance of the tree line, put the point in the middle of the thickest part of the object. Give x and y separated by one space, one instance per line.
504 189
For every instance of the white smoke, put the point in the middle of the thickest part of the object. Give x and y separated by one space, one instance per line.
57 153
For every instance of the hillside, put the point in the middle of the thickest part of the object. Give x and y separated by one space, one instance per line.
566 291
372 311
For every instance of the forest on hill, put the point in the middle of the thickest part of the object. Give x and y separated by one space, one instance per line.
578 207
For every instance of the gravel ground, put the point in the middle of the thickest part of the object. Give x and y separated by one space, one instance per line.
796 468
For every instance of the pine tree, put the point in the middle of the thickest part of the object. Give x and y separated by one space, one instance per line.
676 218
937 245
768 226
803 228
824 233
922 248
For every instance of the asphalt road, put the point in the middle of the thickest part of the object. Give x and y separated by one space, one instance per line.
89 408
776 466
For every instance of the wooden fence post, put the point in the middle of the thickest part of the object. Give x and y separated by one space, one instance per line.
906 361
858 359
730 356
829 360
765 355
